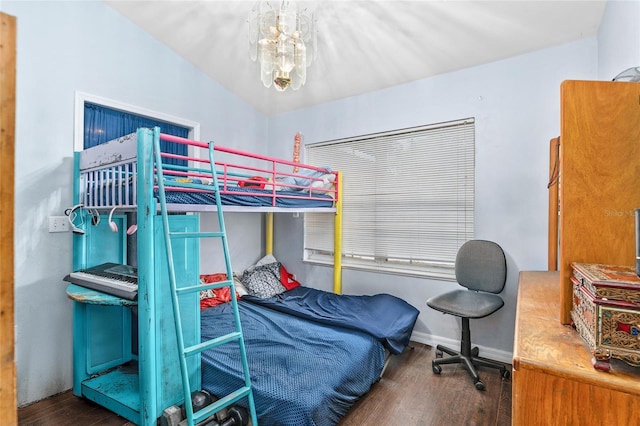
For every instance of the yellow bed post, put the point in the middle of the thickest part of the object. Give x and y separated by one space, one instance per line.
269 234
337 240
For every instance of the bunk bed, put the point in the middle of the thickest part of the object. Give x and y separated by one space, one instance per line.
124 351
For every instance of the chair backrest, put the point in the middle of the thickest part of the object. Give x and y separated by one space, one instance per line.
481 265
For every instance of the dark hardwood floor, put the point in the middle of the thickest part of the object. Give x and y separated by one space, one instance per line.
408 394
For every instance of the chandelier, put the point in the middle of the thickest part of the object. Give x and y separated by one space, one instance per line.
283 41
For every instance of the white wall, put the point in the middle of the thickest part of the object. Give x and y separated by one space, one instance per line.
516 106
86 46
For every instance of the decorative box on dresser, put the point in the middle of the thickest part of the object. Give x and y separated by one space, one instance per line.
554 382
606 312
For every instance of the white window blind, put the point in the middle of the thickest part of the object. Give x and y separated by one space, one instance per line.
408 199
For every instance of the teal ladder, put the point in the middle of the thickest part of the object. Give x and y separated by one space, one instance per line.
236 336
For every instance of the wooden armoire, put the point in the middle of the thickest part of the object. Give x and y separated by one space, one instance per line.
595 185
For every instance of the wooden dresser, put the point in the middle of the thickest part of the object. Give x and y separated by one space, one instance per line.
554 382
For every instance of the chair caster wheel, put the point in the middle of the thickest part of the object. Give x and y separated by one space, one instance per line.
505 373
438 353
475 351
480 385
436 368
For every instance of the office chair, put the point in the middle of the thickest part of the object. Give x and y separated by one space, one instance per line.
481 267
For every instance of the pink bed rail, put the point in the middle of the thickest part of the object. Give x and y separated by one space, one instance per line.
268 174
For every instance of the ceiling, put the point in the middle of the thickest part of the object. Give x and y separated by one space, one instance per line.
363 45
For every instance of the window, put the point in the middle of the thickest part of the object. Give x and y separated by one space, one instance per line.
408 199
91 131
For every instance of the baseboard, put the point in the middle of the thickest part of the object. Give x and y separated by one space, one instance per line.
485 352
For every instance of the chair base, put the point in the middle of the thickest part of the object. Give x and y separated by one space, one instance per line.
468 357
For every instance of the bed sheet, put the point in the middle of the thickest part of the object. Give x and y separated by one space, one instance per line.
302 373
386 317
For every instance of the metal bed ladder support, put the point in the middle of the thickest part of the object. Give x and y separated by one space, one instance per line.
236 336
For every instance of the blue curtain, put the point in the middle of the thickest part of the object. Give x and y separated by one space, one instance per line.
102 124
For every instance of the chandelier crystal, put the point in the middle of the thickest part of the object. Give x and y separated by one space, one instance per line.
283 40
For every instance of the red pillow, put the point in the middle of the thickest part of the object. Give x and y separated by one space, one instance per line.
254 181
287 279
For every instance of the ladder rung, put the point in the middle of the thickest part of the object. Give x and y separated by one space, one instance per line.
202 287
196 234
220 404
203 346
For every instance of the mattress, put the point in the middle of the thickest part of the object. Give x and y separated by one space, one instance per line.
302 372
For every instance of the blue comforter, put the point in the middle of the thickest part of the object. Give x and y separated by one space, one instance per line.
302 372
386 317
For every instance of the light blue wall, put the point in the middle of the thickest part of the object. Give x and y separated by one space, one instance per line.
516 106
619 38
63 47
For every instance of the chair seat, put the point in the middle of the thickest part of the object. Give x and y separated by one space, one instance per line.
466 303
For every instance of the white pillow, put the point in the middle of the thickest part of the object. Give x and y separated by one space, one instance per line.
264 261
240 288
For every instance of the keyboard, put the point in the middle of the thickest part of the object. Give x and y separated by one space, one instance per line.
110 278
